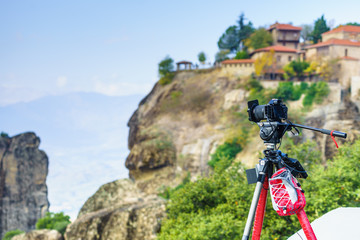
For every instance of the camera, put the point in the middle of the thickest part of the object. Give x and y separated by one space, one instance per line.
274 111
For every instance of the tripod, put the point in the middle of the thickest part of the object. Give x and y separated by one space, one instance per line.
271 133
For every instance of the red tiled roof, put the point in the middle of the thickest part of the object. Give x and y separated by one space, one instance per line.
329 42
237 61
349 58
346 28
276 48
184 62
284 27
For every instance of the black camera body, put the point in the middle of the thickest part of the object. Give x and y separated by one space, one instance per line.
274 111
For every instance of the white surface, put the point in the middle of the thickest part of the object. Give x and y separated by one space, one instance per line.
338 224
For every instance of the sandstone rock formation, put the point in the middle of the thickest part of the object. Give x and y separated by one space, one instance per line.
43 234
343 117
172 134
23 190
118 210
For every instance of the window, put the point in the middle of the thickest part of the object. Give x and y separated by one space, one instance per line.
278 58
346 52
289 58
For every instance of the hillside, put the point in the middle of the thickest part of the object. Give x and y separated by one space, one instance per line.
173 133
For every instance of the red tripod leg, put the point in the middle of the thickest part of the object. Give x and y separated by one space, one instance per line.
305 224
260 211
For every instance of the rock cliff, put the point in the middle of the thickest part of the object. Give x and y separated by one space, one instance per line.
118 210
43 234
172 134
23 190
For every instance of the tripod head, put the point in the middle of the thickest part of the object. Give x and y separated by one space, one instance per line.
273 122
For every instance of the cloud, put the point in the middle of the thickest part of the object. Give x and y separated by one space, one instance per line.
122 88
61 81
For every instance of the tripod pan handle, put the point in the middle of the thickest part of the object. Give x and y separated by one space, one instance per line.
335 133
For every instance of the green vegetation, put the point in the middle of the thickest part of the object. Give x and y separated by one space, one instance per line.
316 92
222 55
166 68
296 68
10 234
4 135
168 191
242 55
306 31
235 35
260 38
216 207
57 221
288 91
319 28
227 150
353 24
202 57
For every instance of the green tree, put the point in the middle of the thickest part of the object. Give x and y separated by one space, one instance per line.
242 55
202 57
4 135
230 39
222 55
319 28
260 38
296 68
353 24
166 66
306 31
57 221
10 234
245 30
234 36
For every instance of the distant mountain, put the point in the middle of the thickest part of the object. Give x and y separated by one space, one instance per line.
85 136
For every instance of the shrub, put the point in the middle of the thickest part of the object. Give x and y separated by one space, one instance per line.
289 91
166 78
216 207
10 234
227 150
242 55
168 192
57 221
166 66
4 135
316 92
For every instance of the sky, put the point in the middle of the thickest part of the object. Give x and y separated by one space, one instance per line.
54 48
113 47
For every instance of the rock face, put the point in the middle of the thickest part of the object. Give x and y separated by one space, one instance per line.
43 234
344 117
118 210
177 127
23 190
172 134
